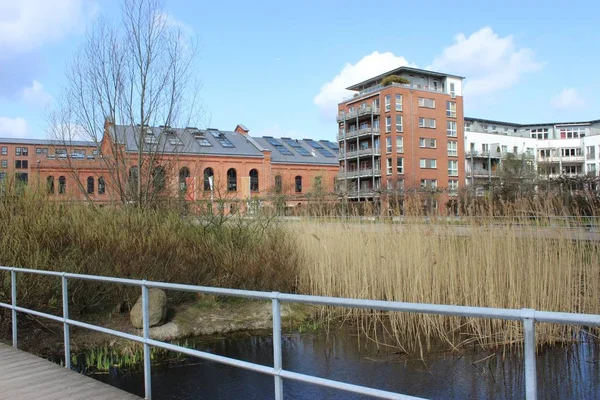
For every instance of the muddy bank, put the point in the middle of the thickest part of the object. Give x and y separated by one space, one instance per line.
203 317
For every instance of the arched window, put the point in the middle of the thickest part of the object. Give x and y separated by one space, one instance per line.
90 185
209 176
159 179
62 185
278 184
50 184
231 180
133 181
184 173
101 185
253 180
298 184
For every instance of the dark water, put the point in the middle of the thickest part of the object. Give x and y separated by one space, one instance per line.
568 372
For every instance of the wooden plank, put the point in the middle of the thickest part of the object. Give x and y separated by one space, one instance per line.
25 376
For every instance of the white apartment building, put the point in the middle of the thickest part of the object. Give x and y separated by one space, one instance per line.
555 149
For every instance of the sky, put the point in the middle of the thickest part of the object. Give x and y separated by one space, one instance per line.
280 67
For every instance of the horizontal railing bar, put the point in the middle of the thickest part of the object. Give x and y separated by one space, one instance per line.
382 394
108 331
31 271
439 309
39 314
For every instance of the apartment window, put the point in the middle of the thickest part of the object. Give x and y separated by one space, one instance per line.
25 151
388 164
298 184
426 102
400 165
62 185
21 164
388 124
376 124
398 123
427 123
591 169
18 151
278 184
504 149
231 180
399 144
38 150
484 127
428 183
388 145
2 176
468 126
494 129
4 150
452 168
428 163
388 100
570 152
572 133
451 128
452 148
90 185
427 143
209 176
571 169
4 164
590 153
451 109
540 133
398 102
101 185
452 185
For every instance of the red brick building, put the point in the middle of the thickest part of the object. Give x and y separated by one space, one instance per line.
230 166
407 134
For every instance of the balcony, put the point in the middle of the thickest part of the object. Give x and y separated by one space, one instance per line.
482 173
377 88
361 111
362 153
362 193
563 159
496 154
368 131
360 173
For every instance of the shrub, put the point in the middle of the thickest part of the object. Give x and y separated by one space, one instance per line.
128 242
388 80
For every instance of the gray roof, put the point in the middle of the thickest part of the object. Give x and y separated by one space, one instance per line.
312 155
188 141
44 142
519 125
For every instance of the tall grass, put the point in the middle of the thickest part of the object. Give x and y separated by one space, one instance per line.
133 243
488 265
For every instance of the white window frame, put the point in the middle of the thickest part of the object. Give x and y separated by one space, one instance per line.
452 148
451 109
426 102
388 124
398 102
388 145
452 168
388 165
388 101
428 143
399 144
400 165
428 123
451 132
399 125
428 163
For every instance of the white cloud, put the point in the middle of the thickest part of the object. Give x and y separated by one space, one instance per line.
489 62
568 99
13 127
28 24
36 94
334 91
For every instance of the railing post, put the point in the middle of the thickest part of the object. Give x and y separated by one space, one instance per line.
13 299
277 357
528 316
65 304
146 322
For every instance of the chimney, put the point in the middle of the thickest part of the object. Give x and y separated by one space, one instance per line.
241 129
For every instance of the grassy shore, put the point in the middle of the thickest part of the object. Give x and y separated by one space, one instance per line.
500 266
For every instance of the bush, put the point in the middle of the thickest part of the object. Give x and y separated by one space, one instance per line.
388 80
127 242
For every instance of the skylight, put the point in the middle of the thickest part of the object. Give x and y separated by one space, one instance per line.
221 138
296 146
331 145
281 148
319 148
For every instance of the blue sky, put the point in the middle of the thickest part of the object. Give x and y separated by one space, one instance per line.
281 67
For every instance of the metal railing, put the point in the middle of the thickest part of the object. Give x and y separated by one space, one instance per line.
528 316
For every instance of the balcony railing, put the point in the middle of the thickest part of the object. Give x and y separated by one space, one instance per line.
563 159
362 193
360 132
377 88
496 154
344 116
362 152
360 173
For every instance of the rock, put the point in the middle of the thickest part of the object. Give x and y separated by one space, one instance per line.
157 309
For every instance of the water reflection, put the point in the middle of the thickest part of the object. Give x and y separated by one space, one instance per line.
569 372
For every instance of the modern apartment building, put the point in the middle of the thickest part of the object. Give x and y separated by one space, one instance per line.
200 164
407 133
554 149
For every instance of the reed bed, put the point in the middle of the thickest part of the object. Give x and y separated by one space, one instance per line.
528 265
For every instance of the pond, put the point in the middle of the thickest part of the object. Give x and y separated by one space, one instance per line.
564 372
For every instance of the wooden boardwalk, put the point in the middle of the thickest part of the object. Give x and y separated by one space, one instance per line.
24 376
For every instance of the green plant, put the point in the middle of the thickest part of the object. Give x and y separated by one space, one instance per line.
388 80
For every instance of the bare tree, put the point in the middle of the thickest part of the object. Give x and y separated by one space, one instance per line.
136 73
